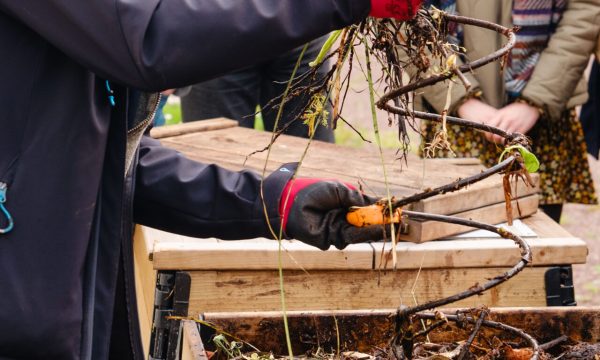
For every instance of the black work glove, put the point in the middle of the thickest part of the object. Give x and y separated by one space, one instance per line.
315 213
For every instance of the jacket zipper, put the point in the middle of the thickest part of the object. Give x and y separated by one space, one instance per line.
128 214
150 117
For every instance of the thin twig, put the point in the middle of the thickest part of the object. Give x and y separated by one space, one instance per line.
457 184
494 325
465 350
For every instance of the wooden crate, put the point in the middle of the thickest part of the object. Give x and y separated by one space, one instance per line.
243 275
221 141
236 276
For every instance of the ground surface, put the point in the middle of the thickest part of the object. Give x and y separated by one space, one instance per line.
584 222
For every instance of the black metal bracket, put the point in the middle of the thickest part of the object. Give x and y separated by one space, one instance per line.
171 298
559 286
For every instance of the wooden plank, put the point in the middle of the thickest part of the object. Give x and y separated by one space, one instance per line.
479 194
226 156
191 127
154 237
192 347
235 144
260 254
464 161
230 148
491 214
173 251
145 279
482 252
257 254
544 226
331 290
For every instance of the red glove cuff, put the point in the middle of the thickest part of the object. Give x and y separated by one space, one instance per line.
397 9
291 189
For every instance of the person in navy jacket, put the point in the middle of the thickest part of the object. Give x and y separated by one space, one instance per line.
80 83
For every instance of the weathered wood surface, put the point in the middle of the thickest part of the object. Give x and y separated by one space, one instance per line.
192 347
491 214
364 330
230 147
239 290
170 251
145 283
192 127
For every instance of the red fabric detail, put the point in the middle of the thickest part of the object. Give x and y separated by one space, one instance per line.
397 9
293 187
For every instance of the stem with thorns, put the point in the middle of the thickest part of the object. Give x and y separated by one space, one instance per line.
477 289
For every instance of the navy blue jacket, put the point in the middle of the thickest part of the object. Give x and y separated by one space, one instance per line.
66 267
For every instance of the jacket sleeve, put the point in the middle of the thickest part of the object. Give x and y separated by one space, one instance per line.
154 45
176 194
562 63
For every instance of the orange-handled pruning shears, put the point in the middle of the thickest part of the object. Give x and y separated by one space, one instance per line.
375 214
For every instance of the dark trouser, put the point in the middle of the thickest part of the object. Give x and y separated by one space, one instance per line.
590 112
237 94
553 211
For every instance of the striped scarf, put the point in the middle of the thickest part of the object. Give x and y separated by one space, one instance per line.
537 21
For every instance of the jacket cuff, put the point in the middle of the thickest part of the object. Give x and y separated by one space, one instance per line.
273 188
552 111
472 94
359 9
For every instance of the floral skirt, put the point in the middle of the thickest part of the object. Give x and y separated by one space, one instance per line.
560 147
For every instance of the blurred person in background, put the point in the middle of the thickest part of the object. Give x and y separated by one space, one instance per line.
536 92
81 82
236 95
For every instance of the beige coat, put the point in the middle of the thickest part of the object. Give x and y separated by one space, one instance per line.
557 82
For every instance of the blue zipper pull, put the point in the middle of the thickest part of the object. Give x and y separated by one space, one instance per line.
9 227
111 97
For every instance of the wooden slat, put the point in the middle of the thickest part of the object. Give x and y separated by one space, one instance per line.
491 214
465 253
545 227
257 254
330 290
191 127
240 142
173 251
483 252
192 347
233 146
230 148
145 279
477 195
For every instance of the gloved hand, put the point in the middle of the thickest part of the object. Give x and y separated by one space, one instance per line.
315 213
397 9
